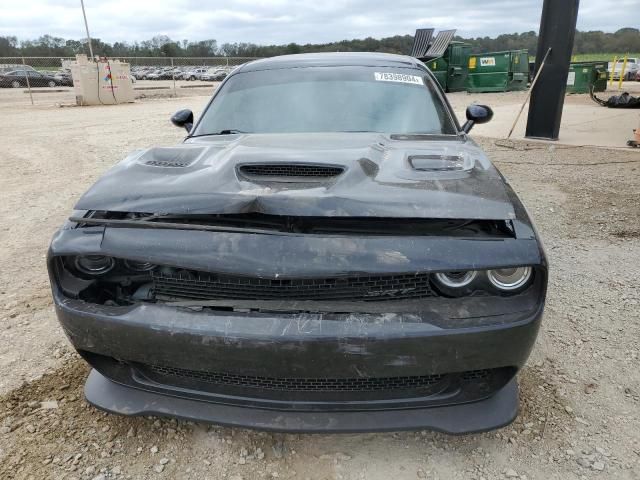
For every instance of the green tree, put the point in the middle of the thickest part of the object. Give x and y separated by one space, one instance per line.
624 40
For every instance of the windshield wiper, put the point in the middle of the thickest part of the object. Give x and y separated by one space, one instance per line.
229 131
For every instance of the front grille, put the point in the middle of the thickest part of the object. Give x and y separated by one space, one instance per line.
275 386
276 170
164 374
475 375
206 286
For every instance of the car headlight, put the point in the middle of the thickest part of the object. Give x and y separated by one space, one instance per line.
456 279
509 279
94 264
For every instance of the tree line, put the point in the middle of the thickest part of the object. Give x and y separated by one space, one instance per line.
621 41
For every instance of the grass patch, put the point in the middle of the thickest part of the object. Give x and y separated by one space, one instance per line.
597 57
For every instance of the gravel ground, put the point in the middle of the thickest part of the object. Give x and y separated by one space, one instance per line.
580 393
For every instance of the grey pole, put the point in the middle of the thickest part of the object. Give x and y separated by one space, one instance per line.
173 75
86 26
26 77
557 32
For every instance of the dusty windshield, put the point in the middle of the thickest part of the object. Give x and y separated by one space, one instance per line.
328 99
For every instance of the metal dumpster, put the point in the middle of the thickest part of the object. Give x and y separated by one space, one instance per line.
584 75
452 68
498 71
439 67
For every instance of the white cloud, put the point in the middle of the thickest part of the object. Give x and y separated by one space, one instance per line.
285 21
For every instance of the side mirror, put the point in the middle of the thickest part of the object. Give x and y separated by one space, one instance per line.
183 118
477 114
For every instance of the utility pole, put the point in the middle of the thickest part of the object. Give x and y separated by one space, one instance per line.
86 26
557 32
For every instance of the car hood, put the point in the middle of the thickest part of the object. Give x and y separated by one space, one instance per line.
378 176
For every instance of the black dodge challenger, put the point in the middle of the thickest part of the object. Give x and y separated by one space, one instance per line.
327 251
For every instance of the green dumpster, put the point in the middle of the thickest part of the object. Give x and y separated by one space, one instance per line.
584 75
498 71
452 68
439 67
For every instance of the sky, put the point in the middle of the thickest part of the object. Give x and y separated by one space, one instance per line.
284 21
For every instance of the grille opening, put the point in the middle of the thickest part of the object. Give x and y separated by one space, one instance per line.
475 374
165 374
302 392
397 227
299 384
275 171
183 284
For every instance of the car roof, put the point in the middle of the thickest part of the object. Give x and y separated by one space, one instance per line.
334 59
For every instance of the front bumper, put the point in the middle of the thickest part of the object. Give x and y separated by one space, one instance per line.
125 344
436 363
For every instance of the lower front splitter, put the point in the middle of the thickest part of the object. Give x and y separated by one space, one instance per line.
491 413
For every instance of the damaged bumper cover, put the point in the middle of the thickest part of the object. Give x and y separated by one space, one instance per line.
150 352
447 364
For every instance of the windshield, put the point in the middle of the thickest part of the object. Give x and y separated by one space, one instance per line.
328 99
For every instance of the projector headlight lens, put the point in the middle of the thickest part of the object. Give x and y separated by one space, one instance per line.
509 279
456 279
94 264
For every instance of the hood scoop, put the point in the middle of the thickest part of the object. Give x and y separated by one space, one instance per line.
171 157
168 163
437 163
289 172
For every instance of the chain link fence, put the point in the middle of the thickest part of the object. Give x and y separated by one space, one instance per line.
48 80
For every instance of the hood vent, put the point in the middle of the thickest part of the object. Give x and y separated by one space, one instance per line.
168 163
289 172
171 157
436 163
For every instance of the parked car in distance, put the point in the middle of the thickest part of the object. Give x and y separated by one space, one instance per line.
214 75
166 73
15 67
327 250
139 73
17 79
631 70
64 77
153 75
194 74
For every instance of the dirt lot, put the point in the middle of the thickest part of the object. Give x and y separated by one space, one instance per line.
580 393
45 96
